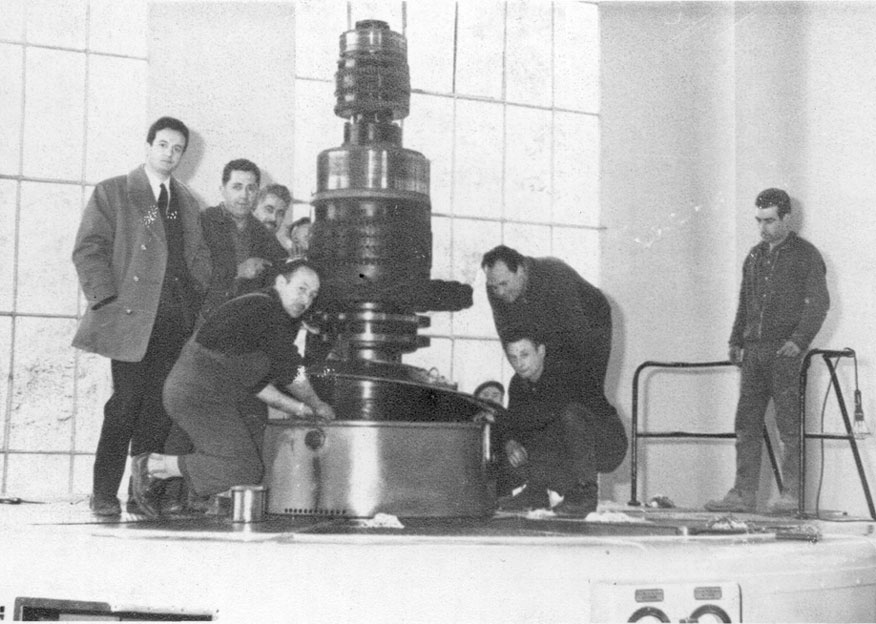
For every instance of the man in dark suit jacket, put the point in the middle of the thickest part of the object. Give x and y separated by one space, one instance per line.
144 267
241 248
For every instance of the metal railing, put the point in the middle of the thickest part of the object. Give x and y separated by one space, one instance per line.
635 434
849 435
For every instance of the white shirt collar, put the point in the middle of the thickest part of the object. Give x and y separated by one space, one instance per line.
155 183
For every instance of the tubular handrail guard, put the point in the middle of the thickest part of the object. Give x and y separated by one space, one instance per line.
635 434
849 436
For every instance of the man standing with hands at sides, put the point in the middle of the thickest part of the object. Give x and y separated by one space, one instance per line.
143 267
783 302
573 321
241 248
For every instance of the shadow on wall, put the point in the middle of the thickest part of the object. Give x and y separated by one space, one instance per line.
828 330
190 163
614 484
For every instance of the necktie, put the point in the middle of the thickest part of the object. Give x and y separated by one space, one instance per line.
163 201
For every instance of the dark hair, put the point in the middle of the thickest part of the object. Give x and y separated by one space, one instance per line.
511 257
291 265
774 197
492 383
274 189
240 164
517 333
298 222
168 123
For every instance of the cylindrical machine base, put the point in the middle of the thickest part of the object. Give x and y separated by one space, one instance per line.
359 469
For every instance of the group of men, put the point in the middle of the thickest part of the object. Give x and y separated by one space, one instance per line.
198 313
153 268
559 431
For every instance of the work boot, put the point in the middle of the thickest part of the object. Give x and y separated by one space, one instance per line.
532 497
580 500
785 504
734 501
104 505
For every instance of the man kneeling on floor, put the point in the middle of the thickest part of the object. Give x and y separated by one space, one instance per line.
554 436
245 349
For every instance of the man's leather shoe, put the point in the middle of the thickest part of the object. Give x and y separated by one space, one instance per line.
533 496
580 500
104 505
144 486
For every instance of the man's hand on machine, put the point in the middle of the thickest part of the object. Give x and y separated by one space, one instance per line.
323 411
516 454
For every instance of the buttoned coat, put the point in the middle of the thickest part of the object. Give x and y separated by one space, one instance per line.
121 251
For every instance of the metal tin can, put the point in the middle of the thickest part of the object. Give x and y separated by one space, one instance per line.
248 503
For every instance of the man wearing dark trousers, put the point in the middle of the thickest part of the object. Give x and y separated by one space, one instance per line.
551 437
783 302
144 267
242 251
568 314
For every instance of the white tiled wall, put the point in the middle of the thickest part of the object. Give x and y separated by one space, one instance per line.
504 105
72 111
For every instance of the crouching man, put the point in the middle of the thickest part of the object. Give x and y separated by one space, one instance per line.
554 436
245 349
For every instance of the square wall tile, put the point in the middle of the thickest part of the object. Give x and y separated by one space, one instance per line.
477 361
8 204
581 249
528 164
442 248
430 35
54 114
57 23
117 125
528 239
118 27
438 355
528 59
42 385
429 130
476 321
480 46
389 11
83 478
49 219
12 24
53 483
576 56
94 386
314 102
319 25
576 169
477 167
471 239
11 63
5 354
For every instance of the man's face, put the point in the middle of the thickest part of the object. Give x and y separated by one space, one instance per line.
526 358
298 291
773 229
165 152
492 393
270 211
239 193
300 236
503 283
